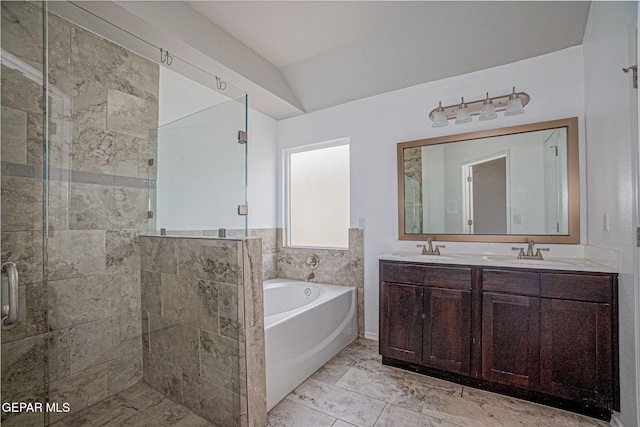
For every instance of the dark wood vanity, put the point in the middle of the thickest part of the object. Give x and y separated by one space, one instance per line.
549 336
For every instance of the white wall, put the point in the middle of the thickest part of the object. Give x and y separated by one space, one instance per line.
262 170
375 125
611 124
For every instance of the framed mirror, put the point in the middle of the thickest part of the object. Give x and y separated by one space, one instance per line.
500 185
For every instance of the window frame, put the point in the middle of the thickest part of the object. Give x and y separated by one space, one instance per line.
286 184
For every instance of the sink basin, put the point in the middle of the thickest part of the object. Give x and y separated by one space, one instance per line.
537 262
420 256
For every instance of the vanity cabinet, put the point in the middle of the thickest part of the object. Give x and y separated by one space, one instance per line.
576 330
426 315
446 329
401 331
510 328
544 335
549 332
510 340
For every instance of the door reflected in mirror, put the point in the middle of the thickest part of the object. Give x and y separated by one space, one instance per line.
500 185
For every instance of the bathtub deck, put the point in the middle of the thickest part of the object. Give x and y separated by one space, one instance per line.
354 388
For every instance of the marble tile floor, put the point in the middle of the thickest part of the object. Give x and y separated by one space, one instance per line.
137 406
355 389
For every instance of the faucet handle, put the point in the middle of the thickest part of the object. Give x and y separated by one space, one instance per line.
520 253
424 248
538 254
437 250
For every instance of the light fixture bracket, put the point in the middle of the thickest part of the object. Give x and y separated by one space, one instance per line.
499 103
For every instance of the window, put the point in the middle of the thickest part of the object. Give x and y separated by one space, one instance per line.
317 195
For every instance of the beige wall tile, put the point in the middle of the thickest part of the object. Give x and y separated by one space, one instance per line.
14 135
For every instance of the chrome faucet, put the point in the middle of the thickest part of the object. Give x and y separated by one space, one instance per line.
428 248
529 254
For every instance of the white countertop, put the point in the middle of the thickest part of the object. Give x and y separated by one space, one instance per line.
549 263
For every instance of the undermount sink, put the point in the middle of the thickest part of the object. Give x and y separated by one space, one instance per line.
538 262
420 256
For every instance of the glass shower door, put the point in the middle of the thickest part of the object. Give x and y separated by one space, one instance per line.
23 214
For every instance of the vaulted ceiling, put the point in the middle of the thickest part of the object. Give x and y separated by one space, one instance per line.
303 56
334 52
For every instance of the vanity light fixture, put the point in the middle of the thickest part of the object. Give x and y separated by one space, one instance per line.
463 115
488 111
514 106
511 104
439 117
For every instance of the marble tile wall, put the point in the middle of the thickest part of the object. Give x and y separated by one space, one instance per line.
269 238
103 99
337 267
203 325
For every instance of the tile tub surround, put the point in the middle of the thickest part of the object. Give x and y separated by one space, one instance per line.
337 267
355 389
269 238
203 325
97 205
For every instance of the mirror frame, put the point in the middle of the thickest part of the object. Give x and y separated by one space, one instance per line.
573 180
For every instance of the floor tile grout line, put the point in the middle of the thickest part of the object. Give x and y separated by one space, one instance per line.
351 391
376 398
302 402
380 414
386 401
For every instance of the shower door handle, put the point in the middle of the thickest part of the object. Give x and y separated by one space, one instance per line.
9 294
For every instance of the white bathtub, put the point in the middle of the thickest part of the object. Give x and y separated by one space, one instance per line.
306 324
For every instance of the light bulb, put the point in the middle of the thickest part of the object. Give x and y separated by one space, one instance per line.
488 111
514 106
440 117
463 115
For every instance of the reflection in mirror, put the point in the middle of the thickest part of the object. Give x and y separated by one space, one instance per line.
501 185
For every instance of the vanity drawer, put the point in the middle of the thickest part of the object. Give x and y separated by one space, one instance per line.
401 273
578 287
448 277
511 282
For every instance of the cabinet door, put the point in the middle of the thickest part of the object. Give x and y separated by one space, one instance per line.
447 330
510 339
401 321
575 350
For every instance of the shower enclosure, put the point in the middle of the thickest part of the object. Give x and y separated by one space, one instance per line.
86 170
197 180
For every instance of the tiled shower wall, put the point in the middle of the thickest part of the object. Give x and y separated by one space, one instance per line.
337 267
103 100
203 325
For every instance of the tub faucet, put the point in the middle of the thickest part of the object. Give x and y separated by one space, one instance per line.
529 254
428 248
310 276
